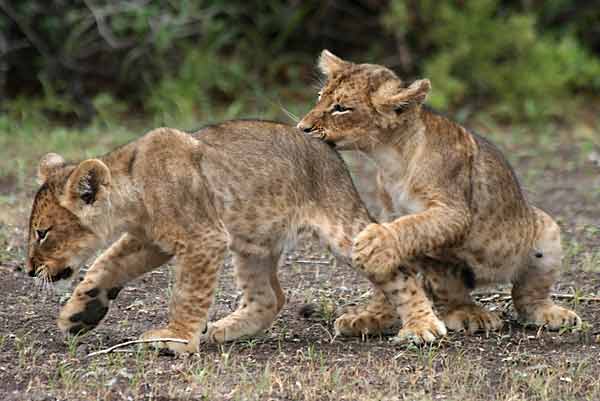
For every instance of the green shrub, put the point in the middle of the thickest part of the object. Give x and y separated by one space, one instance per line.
481 50
183 61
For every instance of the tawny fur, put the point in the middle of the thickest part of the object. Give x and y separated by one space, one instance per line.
449 194
243 186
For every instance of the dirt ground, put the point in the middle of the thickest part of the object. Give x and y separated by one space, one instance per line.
298 358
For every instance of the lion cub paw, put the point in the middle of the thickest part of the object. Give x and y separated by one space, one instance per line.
471 319
363 323
425 330
176 347
374 250
235 326
553 316
215 333
85 309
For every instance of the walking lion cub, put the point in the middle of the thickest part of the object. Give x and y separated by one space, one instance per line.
451 194
246 186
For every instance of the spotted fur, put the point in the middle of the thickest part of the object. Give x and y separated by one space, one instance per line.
448 194
246 187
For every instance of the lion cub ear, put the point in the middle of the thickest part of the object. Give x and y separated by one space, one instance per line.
329 63
48 163
392 96
89 181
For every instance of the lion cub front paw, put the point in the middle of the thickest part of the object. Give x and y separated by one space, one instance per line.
424 330
85 309
363 323
552 316
471 319
374 250
177 347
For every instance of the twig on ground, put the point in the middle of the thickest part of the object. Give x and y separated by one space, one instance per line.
126 343
505 295
311 262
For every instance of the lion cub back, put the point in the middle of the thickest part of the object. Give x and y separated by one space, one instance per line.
272 177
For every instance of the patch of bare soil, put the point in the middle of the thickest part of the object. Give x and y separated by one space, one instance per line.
298 358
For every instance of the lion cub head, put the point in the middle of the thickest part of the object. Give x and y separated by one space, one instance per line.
362 105
70 198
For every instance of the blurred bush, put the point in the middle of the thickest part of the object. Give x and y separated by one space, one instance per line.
487 50
88 60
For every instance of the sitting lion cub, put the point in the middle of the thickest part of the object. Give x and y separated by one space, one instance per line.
246 186
463 200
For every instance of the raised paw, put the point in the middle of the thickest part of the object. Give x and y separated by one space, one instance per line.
552 316
375 250
363 323
176 347
472 318
85 309
424 330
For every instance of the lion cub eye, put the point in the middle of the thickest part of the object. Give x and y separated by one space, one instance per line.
339 109
41 234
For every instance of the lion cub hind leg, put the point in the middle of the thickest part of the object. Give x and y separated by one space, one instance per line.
337 226
262 299
531 289
450 288
372 318
199 261
405 292
125 260
399 286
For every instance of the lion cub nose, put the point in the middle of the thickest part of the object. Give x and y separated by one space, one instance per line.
304 127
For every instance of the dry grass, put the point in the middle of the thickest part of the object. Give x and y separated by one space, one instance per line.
297 359
447 371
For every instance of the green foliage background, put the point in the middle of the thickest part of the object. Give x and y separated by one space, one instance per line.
179 61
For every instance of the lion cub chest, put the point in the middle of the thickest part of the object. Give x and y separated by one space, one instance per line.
394 184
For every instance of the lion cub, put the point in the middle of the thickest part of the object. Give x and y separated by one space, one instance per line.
243 186
463 200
